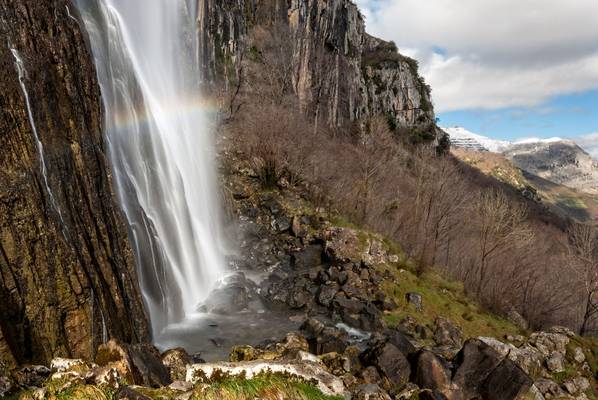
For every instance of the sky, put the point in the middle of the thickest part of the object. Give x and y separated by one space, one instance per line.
507 69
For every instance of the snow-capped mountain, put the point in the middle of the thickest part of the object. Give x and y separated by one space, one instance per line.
558 160
461 137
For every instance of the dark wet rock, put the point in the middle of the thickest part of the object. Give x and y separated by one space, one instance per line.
298 227
347 306
139 364
370 318
176 361
331 340
447 333
390 362
352 353
313 326
506 382
323 338
475 362
402 341
371 375
370 392
128 393
416 299
308 257
433 373
31 375
482 371
431 395
281 224
334 273
233 296
327 293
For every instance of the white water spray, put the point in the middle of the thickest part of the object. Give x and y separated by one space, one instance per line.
22 74
159 139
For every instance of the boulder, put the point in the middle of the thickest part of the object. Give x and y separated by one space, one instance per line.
371 375
181 386
549 388
549 342
176 361
138 364
517 319
390 362
402 341
415 299
331 340
506 382
308 257
129 393
555 362
326 293
579 356
7 386
343 245
106 377
409 392
370 392
336 364
576 385
428 394
292 344
433 373
248 353
475 362
31 376
481 371
447 333
232 296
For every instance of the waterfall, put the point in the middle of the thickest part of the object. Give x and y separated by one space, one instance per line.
22 74
157 127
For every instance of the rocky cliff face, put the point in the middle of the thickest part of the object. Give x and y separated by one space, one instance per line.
340 73
559 161
67 276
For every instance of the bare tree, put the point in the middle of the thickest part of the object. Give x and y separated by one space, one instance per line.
583 256
502 228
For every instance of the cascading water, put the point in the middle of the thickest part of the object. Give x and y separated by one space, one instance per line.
158 132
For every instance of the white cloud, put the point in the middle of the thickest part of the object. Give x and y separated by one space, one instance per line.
494 53
589 141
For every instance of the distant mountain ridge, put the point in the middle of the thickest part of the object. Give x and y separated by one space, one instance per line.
555 159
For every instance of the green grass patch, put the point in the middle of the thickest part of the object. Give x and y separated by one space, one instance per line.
442 298
571 202
261 387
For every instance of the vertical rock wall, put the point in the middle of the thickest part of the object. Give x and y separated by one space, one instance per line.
67 275
340 72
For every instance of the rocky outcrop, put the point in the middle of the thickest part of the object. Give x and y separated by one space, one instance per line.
559 161
340 73
67 276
